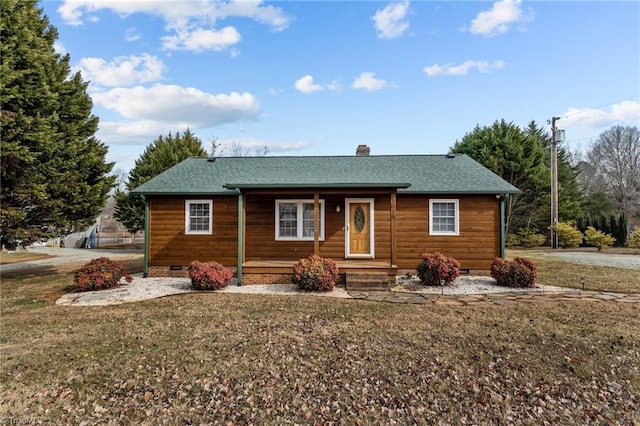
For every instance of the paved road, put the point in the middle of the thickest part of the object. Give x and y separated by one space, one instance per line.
624 261
61 256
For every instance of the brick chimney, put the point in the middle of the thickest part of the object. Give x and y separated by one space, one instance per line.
363 151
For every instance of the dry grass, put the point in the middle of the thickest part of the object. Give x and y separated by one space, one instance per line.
564 274
20 256
249 359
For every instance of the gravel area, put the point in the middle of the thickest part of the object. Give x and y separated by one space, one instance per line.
624 261
150 288
466 285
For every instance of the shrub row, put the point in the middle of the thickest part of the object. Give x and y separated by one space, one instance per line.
569 236
315 273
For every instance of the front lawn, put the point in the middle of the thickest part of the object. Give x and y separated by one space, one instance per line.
239 359
565 274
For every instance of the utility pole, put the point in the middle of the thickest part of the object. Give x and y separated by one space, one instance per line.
554 181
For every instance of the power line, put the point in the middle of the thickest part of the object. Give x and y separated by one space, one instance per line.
582 139
600 106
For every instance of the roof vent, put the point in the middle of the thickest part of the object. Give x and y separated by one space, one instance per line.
451 155
211 159
363 151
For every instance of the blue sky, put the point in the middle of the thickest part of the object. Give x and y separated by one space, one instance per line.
320 78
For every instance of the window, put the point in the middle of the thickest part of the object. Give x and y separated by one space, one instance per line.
294 220
444 217
197 217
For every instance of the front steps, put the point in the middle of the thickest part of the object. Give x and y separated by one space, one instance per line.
366 281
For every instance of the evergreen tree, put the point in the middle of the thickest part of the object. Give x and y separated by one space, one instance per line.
54 175
518 157
163 153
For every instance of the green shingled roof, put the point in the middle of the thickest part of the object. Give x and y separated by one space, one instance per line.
431 174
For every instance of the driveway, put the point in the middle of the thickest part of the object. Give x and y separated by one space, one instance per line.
64 256
624 261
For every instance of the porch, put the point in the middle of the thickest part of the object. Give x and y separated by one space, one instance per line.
280 271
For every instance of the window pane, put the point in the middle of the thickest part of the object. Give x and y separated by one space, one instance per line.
444 217
307 220
199 214
288 220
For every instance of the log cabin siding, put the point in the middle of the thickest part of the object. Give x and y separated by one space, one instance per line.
260 238
476 246
168 243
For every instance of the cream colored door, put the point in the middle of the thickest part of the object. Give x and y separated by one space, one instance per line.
359 223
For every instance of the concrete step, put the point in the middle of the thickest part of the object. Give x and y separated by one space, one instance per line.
367 281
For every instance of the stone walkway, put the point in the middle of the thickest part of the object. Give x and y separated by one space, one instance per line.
494 298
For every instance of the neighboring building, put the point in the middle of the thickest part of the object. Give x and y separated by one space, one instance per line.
368 213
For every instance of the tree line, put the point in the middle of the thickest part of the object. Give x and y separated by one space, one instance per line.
604 183
56 180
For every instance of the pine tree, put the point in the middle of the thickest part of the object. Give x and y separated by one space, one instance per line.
54 175
163 153
518 157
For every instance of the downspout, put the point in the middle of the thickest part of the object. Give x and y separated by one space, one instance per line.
240 236
145 272
503 231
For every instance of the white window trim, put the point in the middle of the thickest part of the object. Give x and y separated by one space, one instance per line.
457 218
187 203
298 220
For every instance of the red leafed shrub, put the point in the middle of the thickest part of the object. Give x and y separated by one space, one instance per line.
101 273
436 268
521 272
209 276
315 273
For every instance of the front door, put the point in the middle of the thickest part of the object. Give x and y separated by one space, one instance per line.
359 227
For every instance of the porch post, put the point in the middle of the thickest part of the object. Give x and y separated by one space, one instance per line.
240 237
392 221
316 224
145 271
503 231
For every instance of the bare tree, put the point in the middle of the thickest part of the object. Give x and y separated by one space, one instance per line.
237 150
120 183
615 162
216 147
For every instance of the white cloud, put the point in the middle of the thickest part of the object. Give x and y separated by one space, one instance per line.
59 48
306 85
131 34
621 112
391 22
191 24
178 106
499 18
462 69
368 81
122 70
200 39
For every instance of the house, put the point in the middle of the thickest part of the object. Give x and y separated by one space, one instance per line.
378 214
